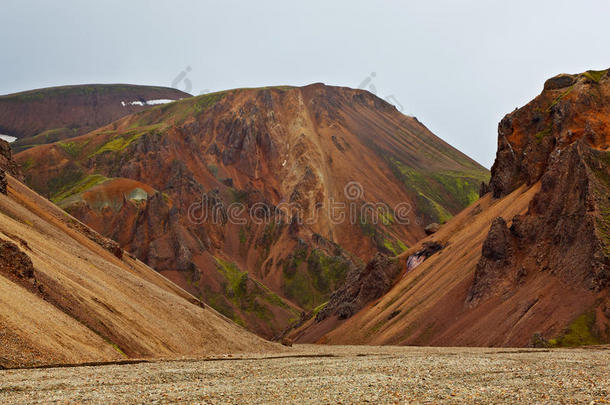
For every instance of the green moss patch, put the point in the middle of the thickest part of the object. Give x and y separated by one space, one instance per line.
246 294
80 186
578 333
595 75
559 98
440 194
541 134
181 110
73 148
121 141
394 246
311 276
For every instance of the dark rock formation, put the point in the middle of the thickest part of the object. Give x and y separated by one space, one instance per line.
17 266
361 287
3 182
562 232
484 189
432 228
559 82
6 160
428 249
571 107
560 140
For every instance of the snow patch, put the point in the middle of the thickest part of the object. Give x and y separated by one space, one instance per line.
159 101
148 102
284 164
8 138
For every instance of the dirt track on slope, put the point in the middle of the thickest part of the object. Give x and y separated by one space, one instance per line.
331 374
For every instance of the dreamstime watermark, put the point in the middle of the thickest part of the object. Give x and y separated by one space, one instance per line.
182 79
354 210
367 84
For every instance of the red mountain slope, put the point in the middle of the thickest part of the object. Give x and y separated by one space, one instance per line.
287 155
69 295
540 274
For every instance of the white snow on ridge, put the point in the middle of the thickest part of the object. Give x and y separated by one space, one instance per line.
148 102
160 101
8 138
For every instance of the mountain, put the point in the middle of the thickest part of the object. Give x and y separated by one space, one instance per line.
259 201
48 115
69 295
528 264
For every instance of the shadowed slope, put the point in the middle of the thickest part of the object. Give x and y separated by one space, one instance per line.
65 298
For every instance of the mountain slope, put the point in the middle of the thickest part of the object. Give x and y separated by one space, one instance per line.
48 115
528 264
166 183
69 295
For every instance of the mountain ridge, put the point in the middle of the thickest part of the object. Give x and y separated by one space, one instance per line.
528 264
51 114
270 146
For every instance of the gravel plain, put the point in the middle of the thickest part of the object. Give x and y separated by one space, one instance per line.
330 375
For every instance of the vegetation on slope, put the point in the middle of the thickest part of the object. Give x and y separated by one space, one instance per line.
439 195
248 295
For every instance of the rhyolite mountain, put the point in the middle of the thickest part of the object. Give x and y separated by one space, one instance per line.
42 116
528 264
149 179
69 295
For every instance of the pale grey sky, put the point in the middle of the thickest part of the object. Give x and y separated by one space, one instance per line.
459 66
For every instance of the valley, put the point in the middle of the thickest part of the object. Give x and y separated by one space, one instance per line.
329 374
285 152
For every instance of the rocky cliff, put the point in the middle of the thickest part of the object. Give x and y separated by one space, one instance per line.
529 264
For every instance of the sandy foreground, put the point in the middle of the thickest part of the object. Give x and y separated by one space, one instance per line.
330 374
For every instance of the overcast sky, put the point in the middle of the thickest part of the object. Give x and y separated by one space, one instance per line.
457 66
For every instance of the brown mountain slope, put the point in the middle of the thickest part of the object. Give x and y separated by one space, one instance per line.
531 266
67 295
285 154
48 115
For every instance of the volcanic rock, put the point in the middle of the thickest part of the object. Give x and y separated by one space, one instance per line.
432 228
361 287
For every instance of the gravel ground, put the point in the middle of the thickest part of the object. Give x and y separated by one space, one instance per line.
330 374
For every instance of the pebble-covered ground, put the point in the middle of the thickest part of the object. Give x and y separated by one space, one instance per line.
331 374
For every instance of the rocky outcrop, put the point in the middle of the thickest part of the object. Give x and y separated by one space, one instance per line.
571 107
3 182
7 163
565 230
428 249
17 266
560 140
361 287
484 189
496 257
432 228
